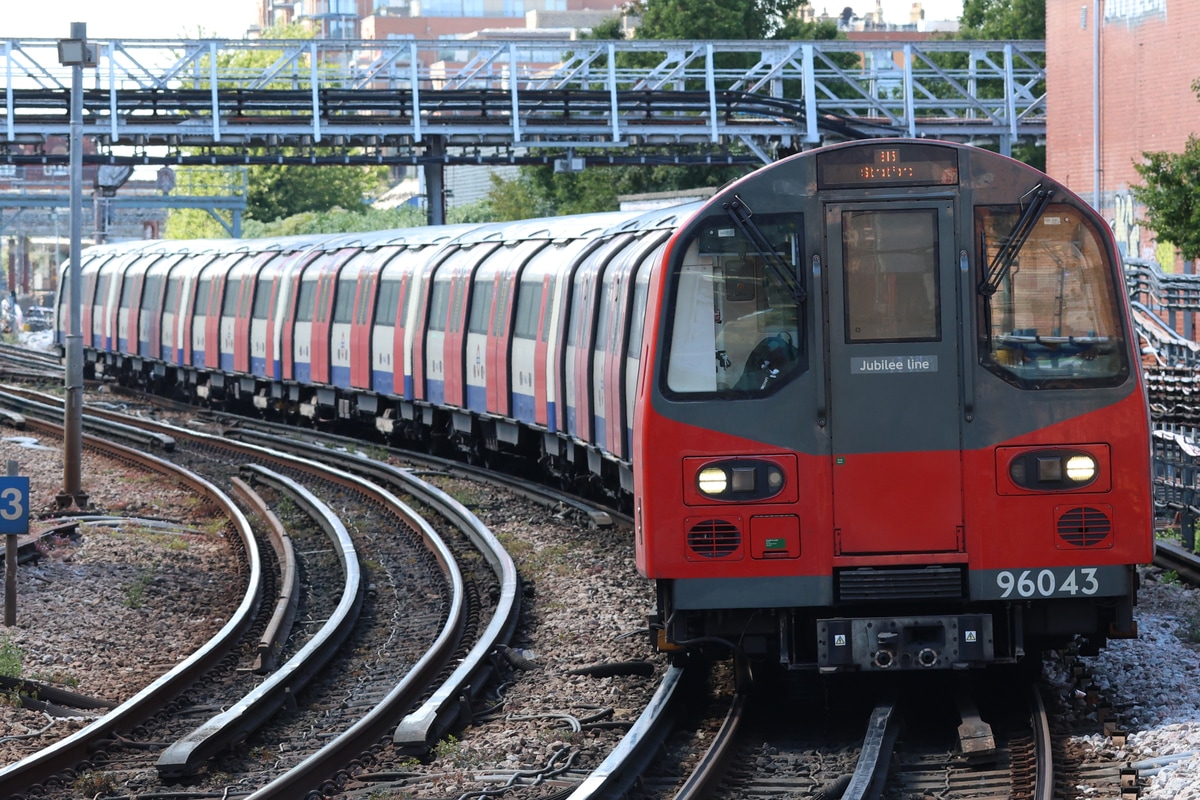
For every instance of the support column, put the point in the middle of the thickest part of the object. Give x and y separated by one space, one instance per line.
435 180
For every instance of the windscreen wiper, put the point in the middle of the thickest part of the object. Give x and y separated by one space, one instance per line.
743 218
1007 254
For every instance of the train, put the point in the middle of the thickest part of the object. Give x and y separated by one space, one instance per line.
874 407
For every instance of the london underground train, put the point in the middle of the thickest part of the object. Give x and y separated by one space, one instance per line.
515 339
891 417
875 406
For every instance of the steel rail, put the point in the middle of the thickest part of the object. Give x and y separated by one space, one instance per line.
871 771
617 773
1044 786
220 732
282 618
436 715
68 753
702 782
23 402
1171 556
542 495
421 728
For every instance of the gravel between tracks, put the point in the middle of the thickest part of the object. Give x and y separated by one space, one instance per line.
105 613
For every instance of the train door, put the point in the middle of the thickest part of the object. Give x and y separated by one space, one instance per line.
893 378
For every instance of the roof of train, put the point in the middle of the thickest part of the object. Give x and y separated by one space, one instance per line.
565 227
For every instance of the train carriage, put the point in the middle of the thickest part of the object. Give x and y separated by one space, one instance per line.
894 417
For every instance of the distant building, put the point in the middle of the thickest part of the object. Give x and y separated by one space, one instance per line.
1135 56
430 19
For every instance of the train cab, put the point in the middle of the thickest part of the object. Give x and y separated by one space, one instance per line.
894 417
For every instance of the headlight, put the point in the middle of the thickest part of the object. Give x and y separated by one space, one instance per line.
1081 468
1053 470
712 481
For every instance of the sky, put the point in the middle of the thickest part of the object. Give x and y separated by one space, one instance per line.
176 19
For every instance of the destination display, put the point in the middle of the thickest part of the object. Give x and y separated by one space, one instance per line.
888 165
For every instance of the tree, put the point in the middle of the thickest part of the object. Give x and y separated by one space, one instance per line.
713 19
276 191
999 20
1003 19
1172 195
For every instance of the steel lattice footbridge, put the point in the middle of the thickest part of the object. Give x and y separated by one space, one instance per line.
512 102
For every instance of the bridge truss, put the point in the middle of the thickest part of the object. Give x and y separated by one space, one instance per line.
573 103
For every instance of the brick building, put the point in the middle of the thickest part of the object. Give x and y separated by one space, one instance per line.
426 19
1140 59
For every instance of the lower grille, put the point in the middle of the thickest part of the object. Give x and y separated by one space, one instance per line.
916 583
714 538
1084 527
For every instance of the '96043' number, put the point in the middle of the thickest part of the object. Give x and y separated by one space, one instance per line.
1048 582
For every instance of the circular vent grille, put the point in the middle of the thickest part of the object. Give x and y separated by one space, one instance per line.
1084 527
714 538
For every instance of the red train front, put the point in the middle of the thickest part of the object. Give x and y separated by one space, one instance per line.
891 417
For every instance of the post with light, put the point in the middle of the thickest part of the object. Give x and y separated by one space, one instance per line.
75 53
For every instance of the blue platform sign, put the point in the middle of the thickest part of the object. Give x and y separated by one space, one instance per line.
14 505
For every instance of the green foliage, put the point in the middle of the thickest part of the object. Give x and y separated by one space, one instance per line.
11 657
1003 19
203 181
539 191
281 191
135 592
1172 195
339 220
446 747
712 19
275 191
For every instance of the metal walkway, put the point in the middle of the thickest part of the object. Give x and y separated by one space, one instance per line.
513 102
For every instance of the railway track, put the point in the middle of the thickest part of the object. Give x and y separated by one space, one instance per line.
900 740
420 728
401 649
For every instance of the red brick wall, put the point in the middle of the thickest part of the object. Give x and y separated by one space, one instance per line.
1148 61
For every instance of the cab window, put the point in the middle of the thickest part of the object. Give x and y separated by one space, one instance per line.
734 308
1049 312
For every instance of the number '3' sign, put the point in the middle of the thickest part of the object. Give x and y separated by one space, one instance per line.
14 505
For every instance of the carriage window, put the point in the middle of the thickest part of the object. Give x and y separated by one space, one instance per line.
548 312
304 303
891 275
438 305
126 292
734 324
101 295
153 291
232 289
1051 318
343 311
388 302
529 304
481 307
500 315
172 298
202 292
638 323
262 298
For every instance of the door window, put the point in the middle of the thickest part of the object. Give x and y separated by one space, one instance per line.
891 275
